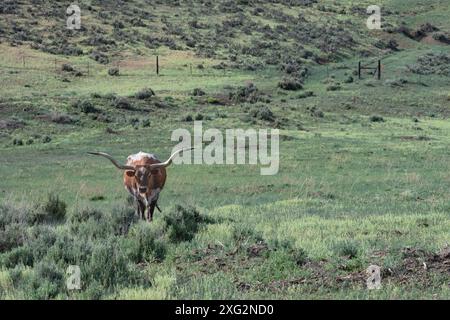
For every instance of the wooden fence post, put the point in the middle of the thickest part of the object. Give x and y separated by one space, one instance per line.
157 65
359 70
379 69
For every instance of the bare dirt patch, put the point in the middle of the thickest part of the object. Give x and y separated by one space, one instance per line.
429 39
417 267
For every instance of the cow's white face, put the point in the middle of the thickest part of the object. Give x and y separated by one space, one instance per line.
141 175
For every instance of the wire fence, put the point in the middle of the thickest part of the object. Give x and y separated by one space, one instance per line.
129 66
152 66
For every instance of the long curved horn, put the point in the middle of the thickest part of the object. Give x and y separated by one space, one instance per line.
169 161
107 156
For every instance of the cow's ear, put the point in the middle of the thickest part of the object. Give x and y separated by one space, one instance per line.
129 173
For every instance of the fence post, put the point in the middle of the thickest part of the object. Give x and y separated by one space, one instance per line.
359 70
23 61
379 69
157 65
89 69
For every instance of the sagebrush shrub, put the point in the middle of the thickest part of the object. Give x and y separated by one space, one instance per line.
20 255
53 210
14 221
146 242
109 247
263 113
290 84
85 214
122 103
198 92
84 106
113 71
144 94
107 264
122 218
12 236
182 223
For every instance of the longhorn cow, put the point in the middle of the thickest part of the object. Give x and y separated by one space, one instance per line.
144 177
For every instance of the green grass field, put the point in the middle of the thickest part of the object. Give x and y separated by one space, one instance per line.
364 179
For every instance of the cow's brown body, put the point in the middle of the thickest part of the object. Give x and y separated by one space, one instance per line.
155 183
144 178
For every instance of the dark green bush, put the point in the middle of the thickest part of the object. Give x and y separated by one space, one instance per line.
263 113
198 92
20 255
144 94
12 236
122 103
14 221
107 264
349 79
248 93
122 218
109 247
44 281
334 87
85 214
62 118
18 142
182 223
146 242
305 94
48 281
67 68
40 239
13 213
114 72
84 106
94 229
53 210
290 84
146 123
376 118
346 248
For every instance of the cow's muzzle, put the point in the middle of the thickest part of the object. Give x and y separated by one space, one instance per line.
142 189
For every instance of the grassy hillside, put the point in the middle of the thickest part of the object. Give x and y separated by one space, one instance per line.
364 172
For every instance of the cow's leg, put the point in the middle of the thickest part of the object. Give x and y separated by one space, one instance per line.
151 209
136 206
151 203
141 209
